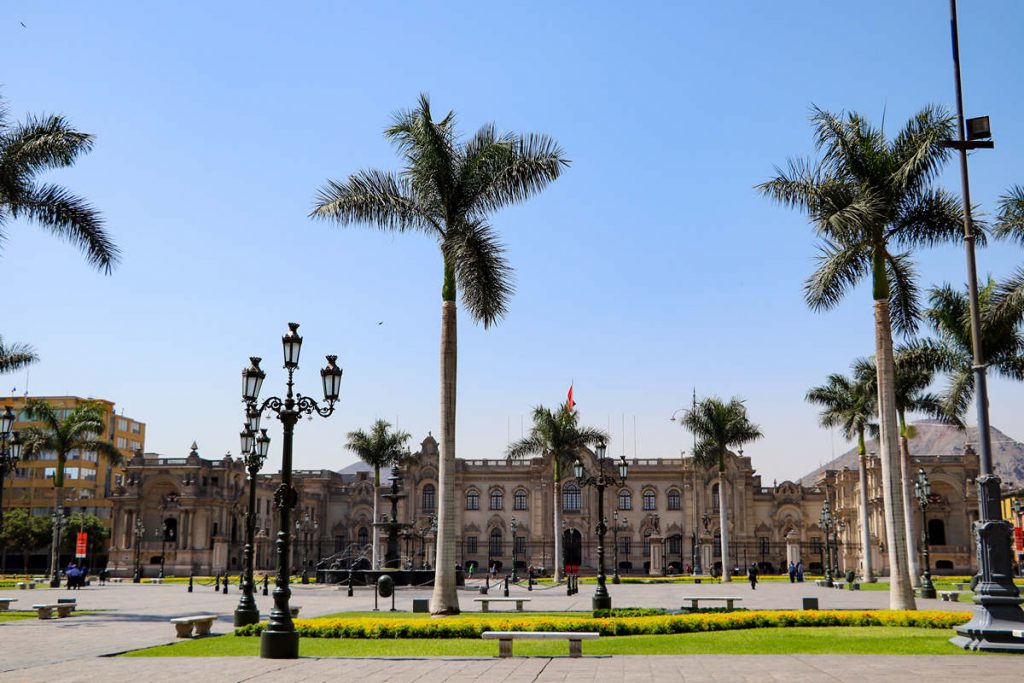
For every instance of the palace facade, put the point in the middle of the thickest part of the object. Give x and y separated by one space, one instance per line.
664 519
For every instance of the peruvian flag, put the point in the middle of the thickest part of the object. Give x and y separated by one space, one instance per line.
571 403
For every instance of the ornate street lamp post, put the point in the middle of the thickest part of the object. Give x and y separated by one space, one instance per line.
616 525
840 526
922 491
308 525
10 452
515 528
601 600
826 524
279 639
140 531
254 454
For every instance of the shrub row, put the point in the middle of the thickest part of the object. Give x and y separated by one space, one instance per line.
629 612
472 627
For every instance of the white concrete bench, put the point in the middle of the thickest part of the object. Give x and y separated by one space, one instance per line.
22 585
484 602
202 624
505 639
115 579
5 603
695 601
156 580
45 610
950 596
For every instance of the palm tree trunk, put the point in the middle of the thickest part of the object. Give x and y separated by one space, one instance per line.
58 492
557 560
913 566
445 600
865 532
901 593
375 561
723 511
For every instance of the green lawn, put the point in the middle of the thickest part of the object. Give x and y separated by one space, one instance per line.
822 640
384 614
15 615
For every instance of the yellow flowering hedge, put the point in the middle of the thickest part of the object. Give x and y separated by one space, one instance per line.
472 627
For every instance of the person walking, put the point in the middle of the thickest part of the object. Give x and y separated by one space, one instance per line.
800 572
752 575
792 573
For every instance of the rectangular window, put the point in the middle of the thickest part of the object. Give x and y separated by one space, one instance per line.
49 473
520 545
71 473
89 456
471 545
88 474
763 545
136 446
626 544
122 442
816 546
136 428
122 424
675 545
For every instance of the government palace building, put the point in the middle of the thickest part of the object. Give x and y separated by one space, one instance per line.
664 519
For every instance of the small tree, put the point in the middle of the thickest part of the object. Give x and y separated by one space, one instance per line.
90 524
24 533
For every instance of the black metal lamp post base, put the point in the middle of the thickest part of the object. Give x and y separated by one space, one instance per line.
244 617
279 645
601 602
991 629
926 591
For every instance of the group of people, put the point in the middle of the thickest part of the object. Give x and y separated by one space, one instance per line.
796 572
75 575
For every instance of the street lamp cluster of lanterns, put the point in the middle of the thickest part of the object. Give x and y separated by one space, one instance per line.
10 451
600 481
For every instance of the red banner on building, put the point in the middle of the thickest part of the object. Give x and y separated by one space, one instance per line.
81 543
1018 539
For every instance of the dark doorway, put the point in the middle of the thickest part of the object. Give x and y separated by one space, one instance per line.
936 532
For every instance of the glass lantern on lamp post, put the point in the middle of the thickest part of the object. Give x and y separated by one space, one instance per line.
279 639
254 454
603 479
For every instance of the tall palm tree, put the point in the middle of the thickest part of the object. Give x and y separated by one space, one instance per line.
446 189
557 434
912 396
381 449
871 201
950 352
30 148
81 429
849 404
718 427
15 356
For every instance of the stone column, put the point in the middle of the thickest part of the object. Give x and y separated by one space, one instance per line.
792 549
657 555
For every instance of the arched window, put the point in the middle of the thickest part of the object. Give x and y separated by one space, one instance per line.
497 499
494 543
714 496
650 501
429 497
936 532
675 501
472 500
364 536
519 500
571 498
625 500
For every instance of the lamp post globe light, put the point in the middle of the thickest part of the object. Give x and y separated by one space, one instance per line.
254 454
10 452
139 531
923 491
279 639
601 600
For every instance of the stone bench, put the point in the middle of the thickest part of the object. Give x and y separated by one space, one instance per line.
202 623
843 585
950 596
695 601
45 610
5 603
115 579
505 639
22 585
485 607
156 580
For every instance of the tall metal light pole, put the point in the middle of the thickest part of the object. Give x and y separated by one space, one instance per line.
139 531
998 613
303 528
279 639
254 454
515 529
10 452
58 516
615 544
826 524
601 600
923 492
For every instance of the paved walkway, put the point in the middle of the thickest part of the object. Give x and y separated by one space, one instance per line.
136 616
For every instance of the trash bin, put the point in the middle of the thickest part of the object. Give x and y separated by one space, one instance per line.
810 603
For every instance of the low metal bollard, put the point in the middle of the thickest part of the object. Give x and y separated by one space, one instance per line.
506 585
266 585
216 583
189 583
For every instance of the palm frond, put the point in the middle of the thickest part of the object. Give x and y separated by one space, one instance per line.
41 143
70 218
15 356
903 293
796 187
929 218
511 170
918 151
484 275
1010 215
839 270
375 197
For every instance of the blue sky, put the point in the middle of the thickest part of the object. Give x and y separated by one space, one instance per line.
652 267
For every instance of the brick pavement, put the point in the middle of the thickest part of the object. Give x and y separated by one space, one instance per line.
135 616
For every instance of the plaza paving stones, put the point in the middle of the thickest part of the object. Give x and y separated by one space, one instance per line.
136 616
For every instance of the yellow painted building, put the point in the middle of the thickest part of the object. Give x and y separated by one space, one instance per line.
88 477
1012 502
